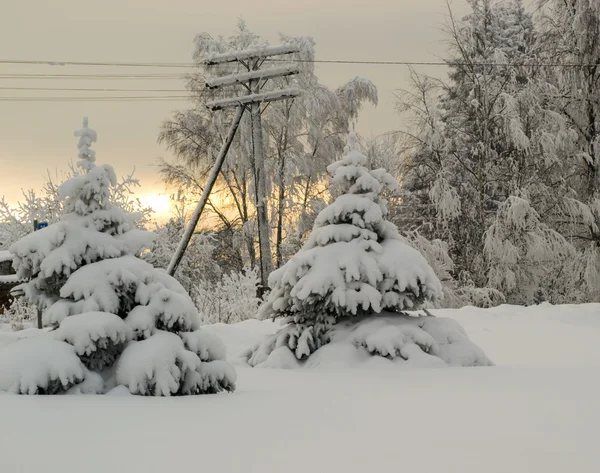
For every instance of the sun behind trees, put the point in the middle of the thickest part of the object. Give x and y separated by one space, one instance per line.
352 280
117 320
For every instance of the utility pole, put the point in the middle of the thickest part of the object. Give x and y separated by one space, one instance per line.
253 80
189 230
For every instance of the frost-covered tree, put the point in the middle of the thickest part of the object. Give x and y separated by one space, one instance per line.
300 136
490 132
232 298
117 320
569 38
526 256
198 263
354 263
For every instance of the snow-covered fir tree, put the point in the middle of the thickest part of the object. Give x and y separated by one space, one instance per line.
354 265
489 136
117 321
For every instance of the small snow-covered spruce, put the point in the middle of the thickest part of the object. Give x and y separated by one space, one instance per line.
354 264
117 319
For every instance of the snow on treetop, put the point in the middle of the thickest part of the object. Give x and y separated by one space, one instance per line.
87 136
352 175
90 191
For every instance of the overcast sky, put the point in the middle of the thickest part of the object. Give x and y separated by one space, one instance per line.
36 137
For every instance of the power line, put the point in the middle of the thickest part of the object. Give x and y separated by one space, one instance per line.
96 98
69 89
92 76
320 61
86 63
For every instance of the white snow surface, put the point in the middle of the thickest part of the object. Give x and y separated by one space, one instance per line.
5 255
9 278
536 411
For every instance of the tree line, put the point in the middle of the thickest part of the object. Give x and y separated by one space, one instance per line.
498 164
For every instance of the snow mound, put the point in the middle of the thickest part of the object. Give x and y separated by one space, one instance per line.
161 366
155 366
407 337
207 346
40 365
92 384
98 337
300 339
210 378
400 339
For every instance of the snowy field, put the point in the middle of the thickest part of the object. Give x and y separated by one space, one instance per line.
537 410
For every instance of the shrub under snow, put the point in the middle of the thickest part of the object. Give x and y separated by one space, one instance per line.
161 366
98 337
40 365
401 339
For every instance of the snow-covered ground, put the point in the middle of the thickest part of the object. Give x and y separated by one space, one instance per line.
537 410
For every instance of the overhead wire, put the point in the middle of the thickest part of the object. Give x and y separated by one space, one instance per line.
318 61
85 89
96 98
11 76
177 76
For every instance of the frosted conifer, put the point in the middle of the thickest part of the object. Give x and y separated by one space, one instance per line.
117 320
354 263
